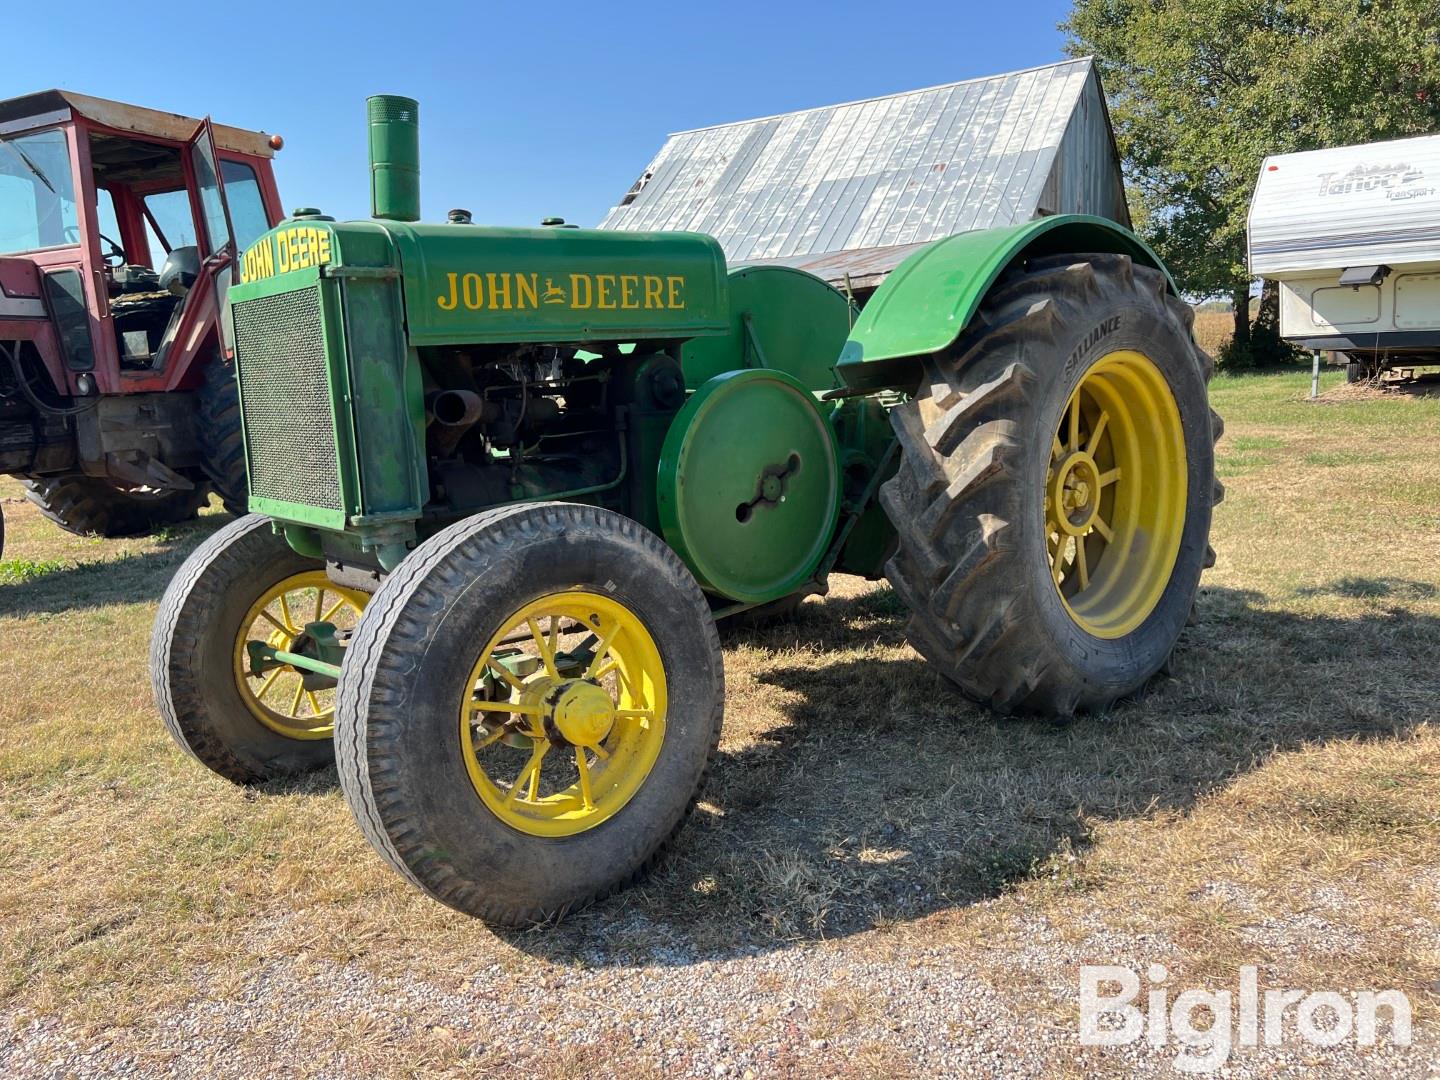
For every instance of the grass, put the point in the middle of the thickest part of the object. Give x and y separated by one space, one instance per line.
1270 800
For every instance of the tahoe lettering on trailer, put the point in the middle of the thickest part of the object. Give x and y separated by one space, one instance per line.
289 249
506 291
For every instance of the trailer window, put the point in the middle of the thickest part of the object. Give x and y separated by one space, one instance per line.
247 208
37 193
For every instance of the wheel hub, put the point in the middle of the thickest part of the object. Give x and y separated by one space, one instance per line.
1075 493
573 712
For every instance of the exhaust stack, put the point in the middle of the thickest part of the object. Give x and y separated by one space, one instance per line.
394 157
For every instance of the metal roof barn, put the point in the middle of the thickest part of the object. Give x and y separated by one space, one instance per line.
851 190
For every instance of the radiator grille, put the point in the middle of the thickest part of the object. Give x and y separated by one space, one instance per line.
285 388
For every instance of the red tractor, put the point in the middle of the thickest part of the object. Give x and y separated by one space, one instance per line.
118 233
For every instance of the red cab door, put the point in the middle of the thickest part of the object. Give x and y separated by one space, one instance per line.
197 331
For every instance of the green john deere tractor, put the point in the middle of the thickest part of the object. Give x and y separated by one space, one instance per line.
504 482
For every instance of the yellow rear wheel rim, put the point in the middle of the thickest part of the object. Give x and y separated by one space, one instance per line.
1115 495
563 716
278 697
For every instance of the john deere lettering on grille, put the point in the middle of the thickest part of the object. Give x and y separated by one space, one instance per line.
602 292
285 250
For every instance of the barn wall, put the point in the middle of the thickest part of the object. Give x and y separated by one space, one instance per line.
1086 176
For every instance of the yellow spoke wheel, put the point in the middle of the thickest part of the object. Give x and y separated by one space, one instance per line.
563 715
278 698
1115 494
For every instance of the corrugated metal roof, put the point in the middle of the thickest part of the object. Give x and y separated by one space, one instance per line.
1347 206
862 268
887 173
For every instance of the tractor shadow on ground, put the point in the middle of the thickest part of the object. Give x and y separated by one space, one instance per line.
129 579
885 797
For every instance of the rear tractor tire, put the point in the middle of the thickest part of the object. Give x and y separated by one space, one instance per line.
87 505
1054 498
527 712
245 584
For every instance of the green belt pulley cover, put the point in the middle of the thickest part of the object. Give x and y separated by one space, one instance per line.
749 485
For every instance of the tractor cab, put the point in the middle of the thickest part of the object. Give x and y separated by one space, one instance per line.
119 225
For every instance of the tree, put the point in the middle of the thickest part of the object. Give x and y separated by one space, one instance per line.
1200 91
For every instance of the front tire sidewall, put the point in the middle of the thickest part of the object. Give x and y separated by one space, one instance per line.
1111 667
193 655
404 706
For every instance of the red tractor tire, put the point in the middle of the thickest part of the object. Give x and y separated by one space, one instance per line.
222 444
85 505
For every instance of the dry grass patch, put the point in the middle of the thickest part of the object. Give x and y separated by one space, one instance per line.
1213 330
1269 800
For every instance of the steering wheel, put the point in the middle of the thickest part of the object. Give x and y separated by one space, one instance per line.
117 253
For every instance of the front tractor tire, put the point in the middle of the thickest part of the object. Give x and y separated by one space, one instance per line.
87 505
1054 498
527 713
246 584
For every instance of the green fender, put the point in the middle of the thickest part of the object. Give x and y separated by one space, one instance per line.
929 299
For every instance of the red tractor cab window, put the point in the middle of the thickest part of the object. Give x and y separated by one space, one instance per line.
37 193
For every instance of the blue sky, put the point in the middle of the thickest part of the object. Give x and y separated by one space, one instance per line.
526 110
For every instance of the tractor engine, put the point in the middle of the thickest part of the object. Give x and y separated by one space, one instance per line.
504 424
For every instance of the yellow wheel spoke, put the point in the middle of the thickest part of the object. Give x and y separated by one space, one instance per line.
545 654
1057 448
626 686
1100 422
608 669
314 701
1074 443
507 707
530 774
626 714
299 693
490 738
601 650
1080 563
285 610
319 604
554 635
598 750
267 684
1108 478
584 770
276 623
328 615
1103 529
497 668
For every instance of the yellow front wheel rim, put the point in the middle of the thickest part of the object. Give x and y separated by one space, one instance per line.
278 698
1115 495
563 716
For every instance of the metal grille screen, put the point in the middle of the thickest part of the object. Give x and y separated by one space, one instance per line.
289 432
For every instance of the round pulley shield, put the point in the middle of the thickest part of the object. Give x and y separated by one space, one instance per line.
749 485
